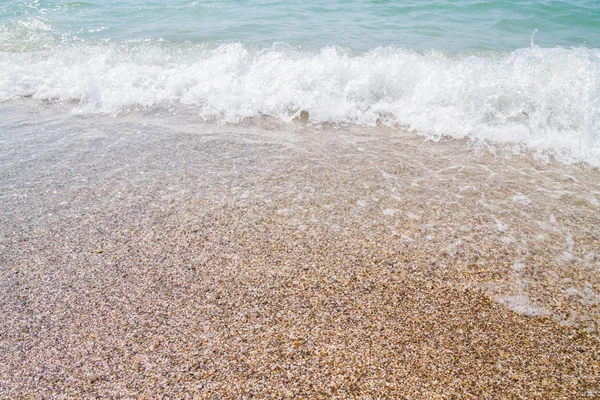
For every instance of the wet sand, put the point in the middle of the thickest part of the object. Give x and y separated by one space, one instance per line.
144 256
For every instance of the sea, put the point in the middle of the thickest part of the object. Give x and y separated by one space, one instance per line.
465 134
500 72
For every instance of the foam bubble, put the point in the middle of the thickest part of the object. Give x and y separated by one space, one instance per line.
547 99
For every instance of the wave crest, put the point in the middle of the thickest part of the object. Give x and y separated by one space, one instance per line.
545 98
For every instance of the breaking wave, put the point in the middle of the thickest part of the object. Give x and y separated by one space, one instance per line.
547 99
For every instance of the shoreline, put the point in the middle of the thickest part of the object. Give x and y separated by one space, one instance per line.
193 259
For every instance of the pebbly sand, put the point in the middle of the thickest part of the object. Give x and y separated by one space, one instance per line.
140 259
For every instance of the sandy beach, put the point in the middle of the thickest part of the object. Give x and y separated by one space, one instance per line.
272 260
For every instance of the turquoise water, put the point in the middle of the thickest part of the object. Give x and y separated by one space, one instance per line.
526 73
358 25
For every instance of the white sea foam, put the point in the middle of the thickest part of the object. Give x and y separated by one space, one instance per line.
547 99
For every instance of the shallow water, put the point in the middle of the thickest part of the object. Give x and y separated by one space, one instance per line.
523 230
520 73
359 25
175 157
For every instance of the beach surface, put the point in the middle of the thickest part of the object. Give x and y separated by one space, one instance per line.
144 256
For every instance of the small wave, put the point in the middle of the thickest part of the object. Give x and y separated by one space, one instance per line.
545 98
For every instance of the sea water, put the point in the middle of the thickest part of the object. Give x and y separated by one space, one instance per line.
523 73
